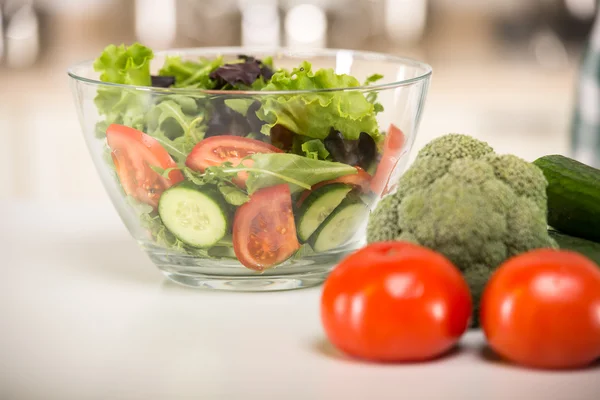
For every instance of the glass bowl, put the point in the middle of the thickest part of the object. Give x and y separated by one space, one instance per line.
252 225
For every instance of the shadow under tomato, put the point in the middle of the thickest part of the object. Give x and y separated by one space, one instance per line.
487 354
323 347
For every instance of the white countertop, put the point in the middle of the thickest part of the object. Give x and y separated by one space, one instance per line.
85 315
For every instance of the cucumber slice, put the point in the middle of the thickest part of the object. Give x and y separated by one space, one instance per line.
317 207
197 218
340 226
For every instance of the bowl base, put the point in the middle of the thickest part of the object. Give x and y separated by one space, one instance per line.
230 275
270 283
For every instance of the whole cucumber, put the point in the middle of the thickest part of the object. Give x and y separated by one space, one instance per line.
586 247
573 196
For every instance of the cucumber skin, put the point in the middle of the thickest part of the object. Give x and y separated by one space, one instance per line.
573 196
348 201
310 200
585 247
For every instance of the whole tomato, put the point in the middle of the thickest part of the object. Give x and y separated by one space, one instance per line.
542 309
395 301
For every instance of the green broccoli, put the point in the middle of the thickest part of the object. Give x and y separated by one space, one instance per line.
468 203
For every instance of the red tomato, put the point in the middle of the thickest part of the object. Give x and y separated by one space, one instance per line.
359 180
395 301
217 150
394 142
133 152
264 231
542 309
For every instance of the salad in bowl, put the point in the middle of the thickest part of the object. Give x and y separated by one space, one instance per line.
247 169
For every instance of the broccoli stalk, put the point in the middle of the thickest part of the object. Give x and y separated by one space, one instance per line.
466 202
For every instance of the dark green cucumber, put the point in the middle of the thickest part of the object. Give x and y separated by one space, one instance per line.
573 196
195 216
586 247
341 225
317 207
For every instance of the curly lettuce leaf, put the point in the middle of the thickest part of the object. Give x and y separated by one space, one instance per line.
191 74
315 149
123 65
314 114
126 65
120 106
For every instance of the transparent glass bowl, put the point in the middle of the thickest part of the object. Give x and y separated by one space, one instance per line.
401 92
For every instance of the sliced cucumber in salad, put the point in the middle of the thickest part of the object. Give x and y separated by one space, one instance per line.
196 217
318 206
340 226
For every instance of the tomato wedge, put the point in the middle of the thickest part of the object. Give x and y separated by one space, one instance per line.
217 150
394 142
264 231
360 180
133 152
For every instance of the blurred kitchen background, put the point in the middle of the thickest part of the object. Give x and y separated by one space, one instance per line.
504 70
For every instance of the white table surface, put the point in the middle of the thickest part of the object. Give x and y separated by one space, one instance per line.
85 315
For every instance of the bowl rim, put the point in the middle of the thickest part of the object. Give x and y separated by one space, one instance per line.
283 51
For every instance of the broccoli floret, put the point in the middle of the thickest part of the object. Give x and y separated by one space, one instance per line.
454 146
468 203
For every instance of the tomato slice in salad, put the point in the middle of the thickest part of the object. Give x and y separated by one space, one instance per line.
133 152
217 150
264 231
361 180
394 142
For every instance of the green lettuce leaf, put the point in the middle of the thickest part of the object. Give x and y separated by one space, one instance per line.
314 114
270 169
315 149
123 65
239 105
372 79
178 148
188 104
177 130
372 96
304 251
233 194
121 106
191 74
